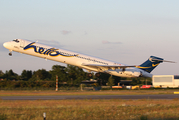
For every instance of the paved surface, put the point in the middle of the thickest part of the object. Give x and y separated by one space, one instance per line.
173 96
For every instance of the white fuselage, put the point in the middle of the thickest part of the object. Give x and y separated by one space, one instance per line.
72 58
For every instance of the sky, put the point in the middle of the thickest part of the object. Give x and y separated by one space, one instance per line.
124 31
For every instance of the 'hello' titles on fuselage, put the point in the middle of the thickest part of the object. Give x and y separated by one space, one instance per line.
51 52
54 53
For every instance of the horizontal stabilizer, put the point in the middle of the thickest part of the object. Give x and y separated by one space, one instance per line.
163 60
152 63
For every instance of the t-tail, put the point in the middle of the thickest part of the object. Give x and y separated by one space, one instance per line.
152 63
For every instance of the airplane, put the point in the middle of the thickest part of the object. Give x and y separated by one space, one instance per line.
83 61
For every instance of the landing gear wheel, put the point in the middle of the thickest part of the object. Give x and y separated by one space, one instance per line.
97 74
10 54
89 75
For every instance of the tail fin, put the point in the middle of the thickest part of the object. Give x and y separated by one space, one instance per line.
151 63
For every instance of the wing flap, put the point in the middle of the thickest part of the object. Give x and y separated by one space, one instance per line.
107 67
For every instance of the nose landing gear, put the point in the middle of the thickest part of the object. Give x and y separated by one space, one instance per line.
10 54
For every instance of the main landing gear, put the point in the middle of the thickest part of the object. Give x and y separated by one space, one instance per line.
90 74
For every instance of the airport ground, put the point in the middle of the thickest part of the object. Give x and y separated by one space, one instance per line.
78 92
80 109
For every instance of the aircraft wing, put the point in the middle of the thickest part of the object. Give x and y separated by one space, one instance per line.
107 67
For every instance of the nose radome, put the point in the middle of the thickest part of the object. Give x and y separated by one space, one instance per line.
6 45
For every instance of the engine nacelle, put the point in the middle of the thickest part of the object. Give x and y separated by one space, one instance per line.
145 74
133 73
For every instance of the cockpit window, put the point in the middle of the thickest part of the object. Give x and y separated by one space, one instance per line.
16 40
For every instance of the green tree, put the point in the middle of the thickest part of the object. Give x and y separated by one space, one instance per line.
75 74
1 74
136 81
10 75
103 78
26 75
111 81
60 71
41 74
116 80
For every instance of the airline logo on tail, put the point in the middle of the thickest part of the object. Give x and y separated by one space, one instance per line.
151 63
51 52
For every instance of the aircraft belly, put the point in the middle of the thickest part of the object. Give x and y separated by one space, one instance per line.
121 74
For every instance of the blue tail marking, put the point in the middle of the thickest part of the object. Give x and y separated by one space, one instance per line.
151 63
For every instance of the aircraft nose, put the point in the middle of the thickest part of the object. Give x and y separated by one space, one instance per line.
6 44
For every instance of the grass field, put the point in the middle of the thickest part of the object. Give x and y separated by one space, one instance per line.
88 109
114 109
105 92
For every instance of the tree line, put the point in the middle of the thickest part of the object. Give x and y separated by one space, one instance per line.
70 75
